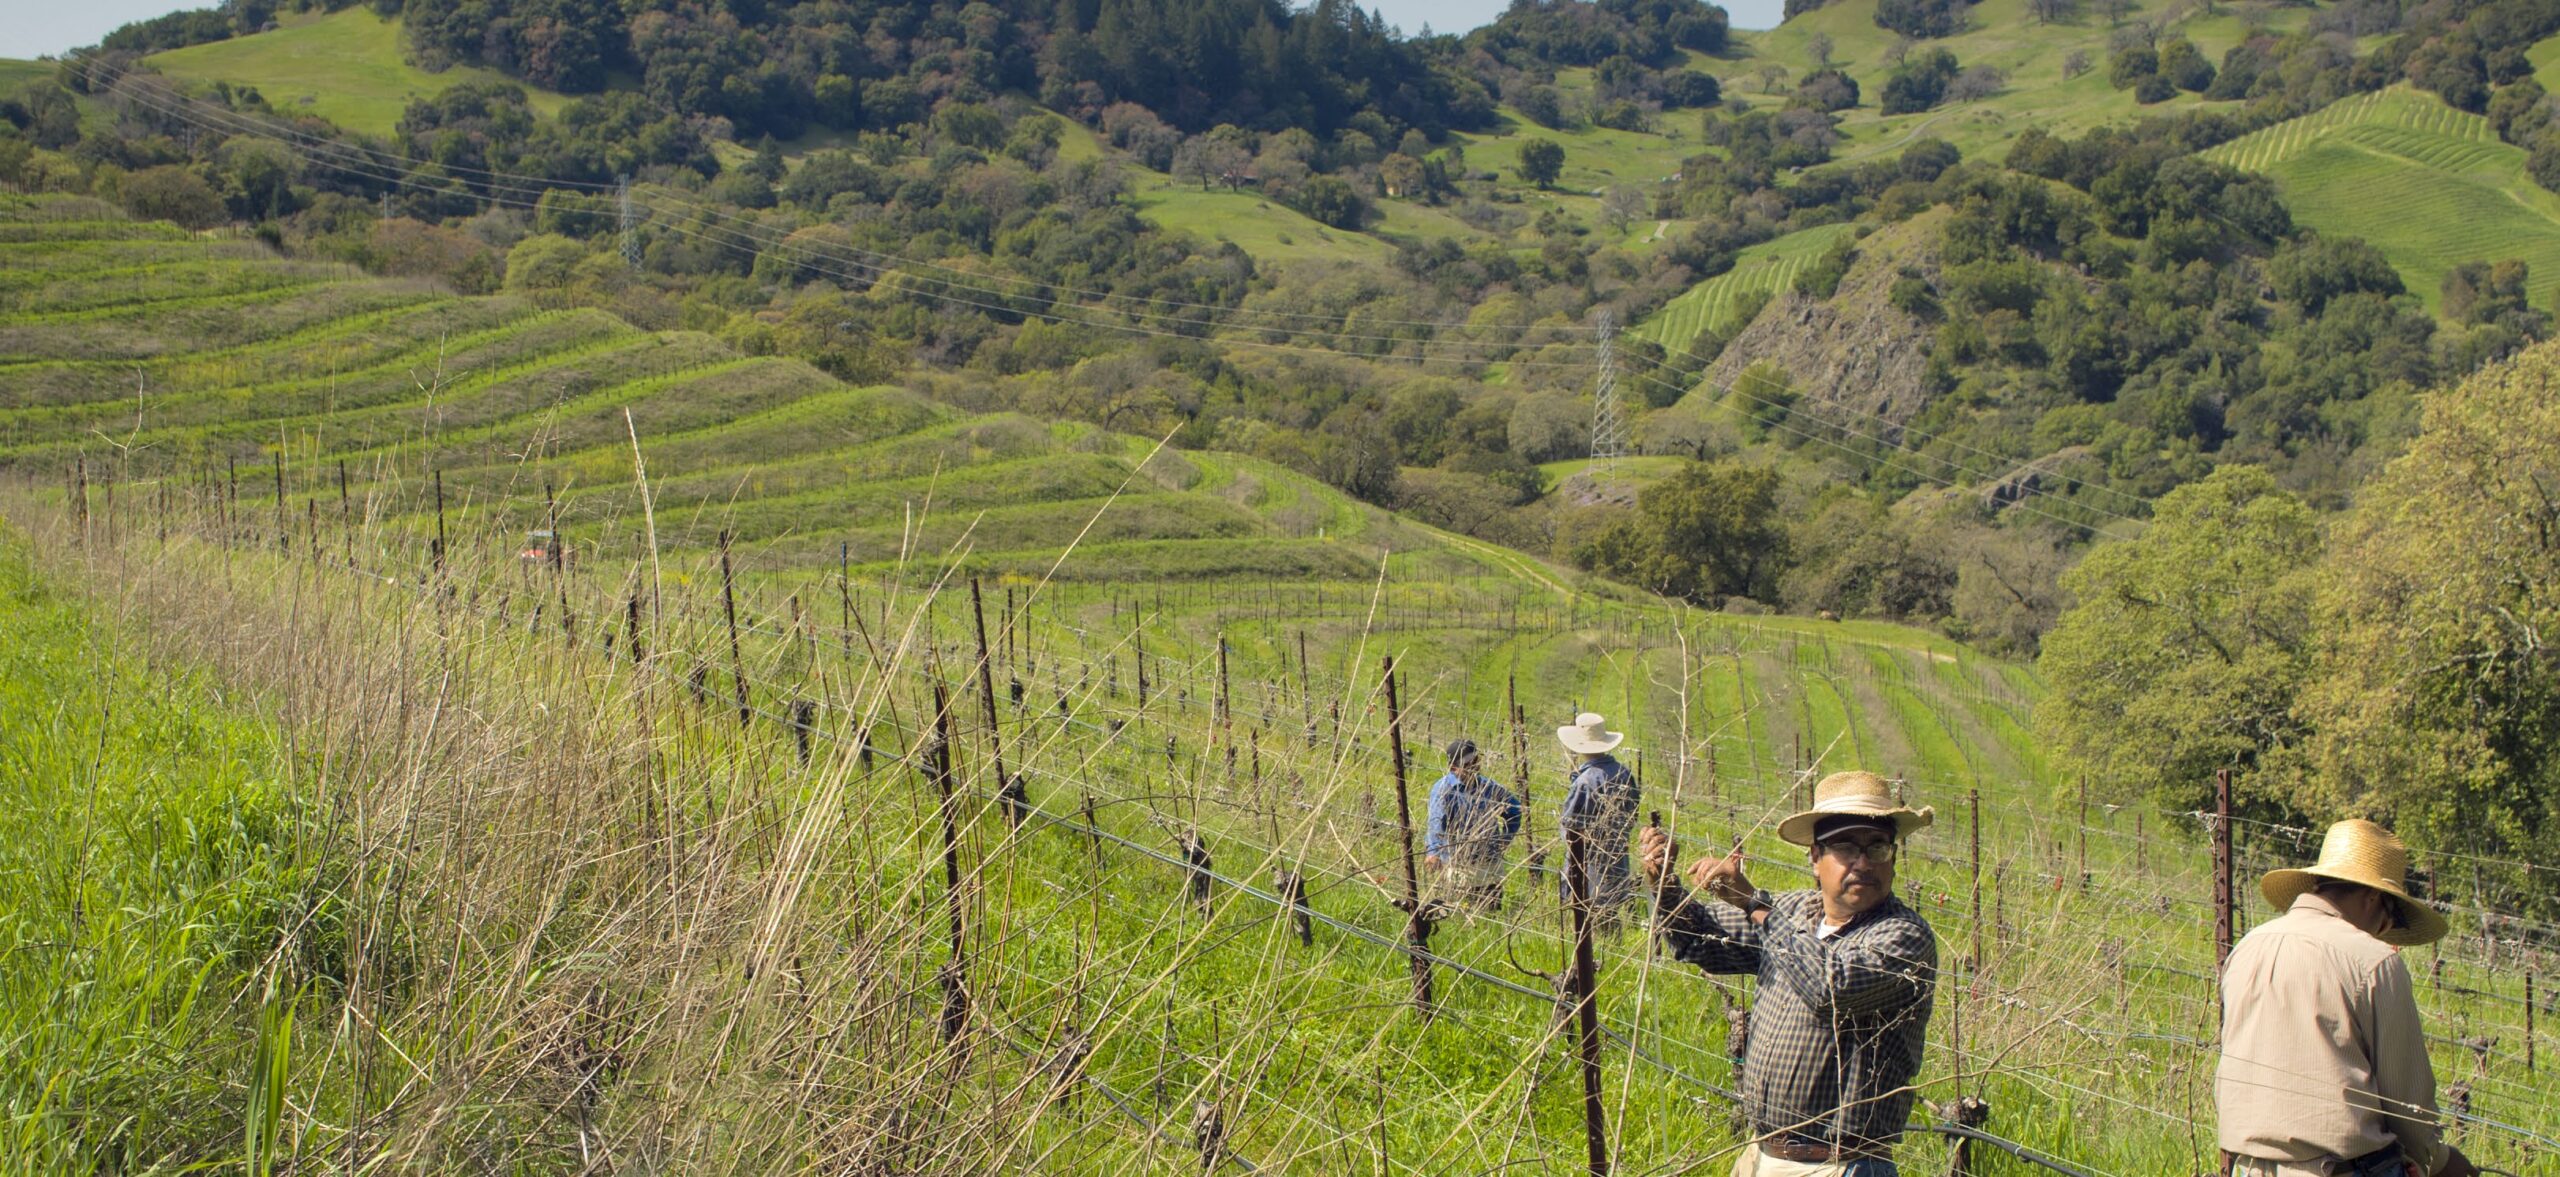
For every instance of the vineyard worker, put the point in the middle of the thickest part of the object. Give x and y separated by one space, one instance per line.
1847 974
1473 821
1600 805
2324 1064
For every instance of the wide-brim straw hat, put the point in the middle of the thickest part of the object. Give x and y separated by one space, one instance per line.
1855 794
1589 734
2358 851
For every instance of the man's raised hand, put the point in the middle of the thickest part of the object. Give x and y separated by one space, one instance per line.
1723 877
1655 852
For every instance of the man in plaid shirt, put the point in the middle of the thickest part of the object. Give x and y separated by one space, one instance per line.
1847 974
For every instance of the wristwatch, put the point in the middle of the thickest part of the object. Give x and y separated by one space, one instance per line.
1759 902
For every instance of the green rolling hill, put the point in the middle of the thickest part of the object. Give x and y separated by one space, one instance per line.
2429 186
344 66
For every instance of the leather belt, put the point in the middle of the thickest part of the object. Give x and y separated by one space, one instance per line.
1814 1152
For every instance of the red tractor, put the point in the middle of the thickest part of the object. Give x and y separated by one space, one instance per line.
543 547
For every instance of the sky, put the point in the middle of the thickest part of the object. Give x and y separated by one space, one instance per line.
32 27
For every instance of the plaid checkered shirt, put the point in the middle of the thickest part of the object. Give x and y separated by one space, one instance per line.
1841 1022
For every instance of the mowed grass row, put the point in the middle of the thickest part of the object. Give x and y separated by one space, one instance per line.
477 360
204 324
420 332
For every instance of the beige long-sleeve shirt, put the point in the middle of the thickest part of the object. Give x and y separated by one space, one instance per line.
2322 1052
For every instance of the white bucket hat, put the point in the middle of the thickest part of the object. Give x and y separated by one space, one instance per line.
1588 734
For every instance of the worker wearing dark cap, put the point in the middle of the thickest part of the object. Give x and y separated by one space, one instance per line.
1473 821
1847 976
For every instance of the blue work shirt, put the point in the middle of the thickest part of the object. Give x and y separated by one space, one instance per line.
1471 821
1602 803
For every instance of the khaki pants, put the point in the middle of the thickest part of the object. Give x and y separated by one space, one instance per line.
2255 1167
1755 1163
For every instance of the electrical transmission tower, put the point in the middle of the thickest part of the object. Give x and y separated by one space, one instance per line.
1608 424
630 223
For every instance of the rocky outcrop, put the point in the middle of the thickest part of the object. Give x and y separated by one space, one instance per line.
1853 357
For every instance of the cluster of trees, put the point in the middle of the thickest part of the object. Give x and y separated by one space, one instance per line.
193 26
559 44
2464 52
1648 32
476 128
2517 108
1919 82
2155 68
2390 665
782 68
1922 19
1735 531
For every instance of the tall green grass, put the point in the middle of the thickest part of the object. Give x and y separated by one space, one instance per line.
155 864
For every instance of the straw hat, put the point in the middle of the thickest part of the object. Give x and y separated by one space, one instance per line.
1854 794
1589 734
2357 851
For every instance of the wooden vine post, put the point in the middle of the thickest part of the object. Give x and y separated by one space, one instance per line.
1009 789
2084 832
346 516
1292 885
1520 768
955 973
1226 714
80 496
438 553
729 606
2222 896
1581 981
1306 692
557 556
1417 923
1973 967
284 537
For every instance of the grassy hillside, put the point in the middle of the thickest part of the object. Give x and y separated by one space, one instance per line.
344 66
2000 33
2429 186
1766 268
15 72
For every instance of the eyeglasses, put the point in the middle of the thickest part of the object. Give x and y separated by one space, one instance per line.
1848 849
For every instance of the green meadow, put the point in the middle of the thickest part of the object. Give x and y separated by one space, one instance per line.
344 66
